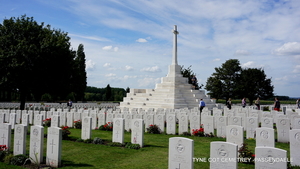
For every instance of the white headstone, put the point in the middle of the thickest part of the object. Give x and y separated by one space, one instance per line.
109 117
235 134
86 132
55 121
25 119
183 124
208 124
38 120
265 137
54 147
63 119
128 118
70 119
181 153
93 114
101 119
149 120
295 147
283 129
12 120
269 157
223 155
36 151
296 124
194 122
2 118
171 124
252 124
267 122
137 132
118 130
5 134
159 120
235 120
20 139
221 123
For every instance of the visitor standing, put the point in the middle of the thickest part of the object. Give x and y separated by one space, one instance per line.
244 102
276 104
257 103
194 82
69 104
228 103
201 105
298 103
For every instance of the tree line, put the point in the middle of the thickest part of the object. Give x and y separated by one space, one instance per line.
37 62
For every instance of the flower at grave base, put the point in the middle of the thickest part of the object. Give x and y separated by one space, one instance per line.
253 155
3 147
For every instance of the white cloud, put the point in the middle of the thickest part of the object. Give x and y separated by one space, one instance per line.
141 40
249 64
296 69
90 65
217 59
290 48
129 68
107 65
242 52
107 48
151 69
95 38
129 77
147 82
111 75
116 49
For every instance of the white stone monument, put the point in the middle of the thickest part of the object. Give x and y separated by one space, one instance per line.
20 139
54 147
137 132
223 155
265 137
86 132
118 130
36 150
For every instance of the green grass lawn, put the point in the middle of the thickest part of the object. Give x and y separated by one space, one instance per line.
154 154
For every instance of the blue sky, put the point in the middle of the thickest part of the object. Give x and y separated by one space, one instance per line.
129 43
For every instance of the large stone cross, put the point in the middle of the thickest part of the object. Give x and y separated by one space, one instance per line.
174 59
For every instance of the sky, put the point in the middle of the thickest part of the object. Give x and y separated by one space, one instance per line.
129 43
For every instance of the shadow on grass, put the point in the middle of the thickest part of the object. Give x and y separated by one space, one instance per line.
66 163
149 145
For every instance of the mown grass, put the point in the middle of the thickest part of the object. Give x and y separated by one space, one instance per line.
154 154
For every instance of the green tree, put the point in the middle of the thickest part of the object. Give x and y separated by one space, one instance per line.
34 59
108 93
254 83
222 83
79 74
188 73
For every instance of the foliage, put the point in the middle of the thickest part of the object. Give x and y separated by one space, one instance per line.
132 146
244 152
88 141
3 152
253 83
108 93
19 160
78 124
30 49
65 132
8 158
107 127
99 94
79 79
97 140
79 140
188 73
231 81
198 132
46 97
154 129
186 134
115 144
47 122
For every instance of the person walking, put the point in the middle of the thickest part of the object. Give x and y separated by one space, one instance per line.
276 104
228 103
257 103
244 102
201 105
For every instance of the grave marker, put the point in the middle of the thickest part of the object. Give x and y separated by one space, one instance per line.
181 153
